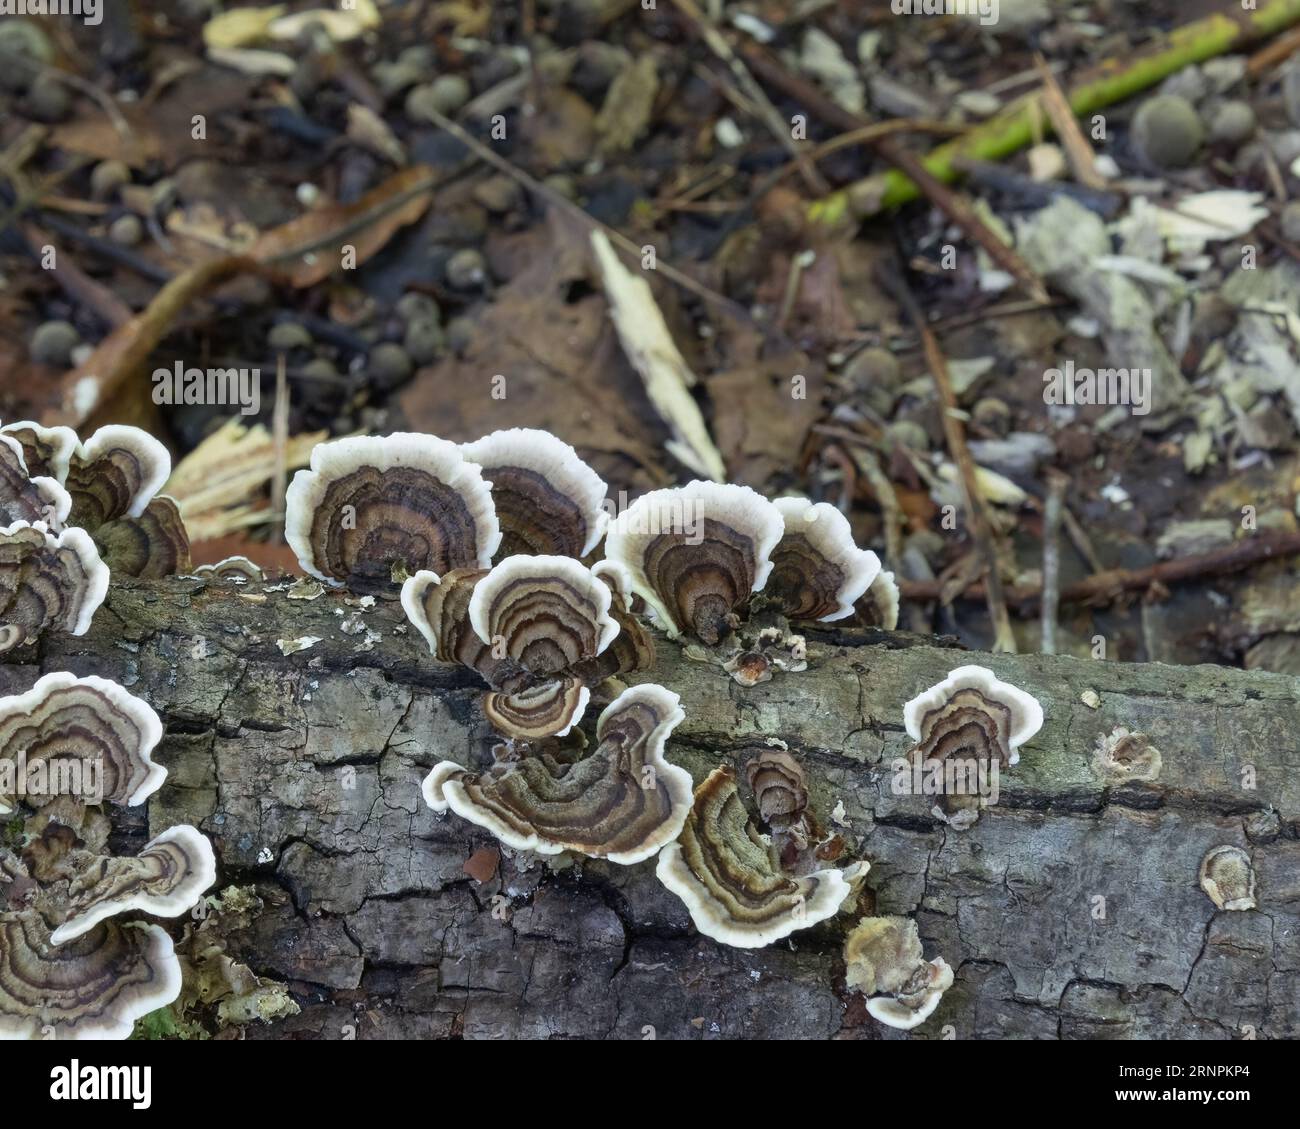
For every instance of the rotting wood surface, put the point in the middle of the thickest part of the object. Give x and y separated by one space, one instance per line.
305 771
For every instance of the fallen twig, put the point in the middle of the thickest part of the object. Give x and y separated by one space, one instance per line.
1003 639
1106 587
1056 484
1111 82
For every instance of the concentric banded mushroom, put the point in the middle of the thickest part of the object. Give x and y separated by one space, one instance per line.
165 879
777 781
548 500
373 510
549 709
879 607
27 498
439 609
622 802
46 450
818 572
115 474
548 612
94 987
972 721
883 960
112 481
730 880
86 719
151 546
695 554
973 711
47 582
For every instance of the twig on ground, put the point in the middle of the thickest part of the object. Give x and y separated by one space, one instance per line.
768 114
954 433
1056 484
1108 586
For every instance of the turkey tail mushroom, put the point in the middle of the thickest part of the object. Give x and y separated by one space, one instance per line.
731 882
372 511
818 572
93 987
27 498
621 802
547 499
82 721
883 960
47 582
696 553
165 879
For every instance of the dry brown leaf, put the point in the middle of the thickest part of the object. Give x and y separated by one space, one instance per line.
311 248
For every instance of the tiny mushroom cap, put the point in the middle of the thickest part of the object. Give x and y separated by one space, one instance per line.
777 781
1228 877
883 959
696 553
914 1006
549 612
549 709
64 717
165 879
971 690
881 604
373 510
49 581
93 987
46 450
114 474
239 569
729 879
547 499
24 497
818 572
621 802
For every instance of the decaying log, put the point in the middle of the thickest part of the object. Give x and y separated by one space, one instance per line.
1068 910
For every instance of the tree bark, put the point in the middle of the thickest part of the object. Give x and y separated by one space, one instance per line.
1069 910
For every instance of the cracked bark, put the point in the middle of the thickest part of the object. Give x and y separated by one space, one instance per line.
305 771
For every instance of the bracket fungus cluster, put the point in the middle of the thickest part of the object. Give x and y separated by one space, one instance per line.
883 960
112 482
731 878
968 728
69 966
622 802
47 582
373 510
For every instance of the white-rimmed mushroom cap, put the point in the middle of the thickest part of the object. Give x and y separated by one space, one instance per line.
621 802
49 581
93 987
1228 877
547 612
549 709
696 553
373 510
24 497
547 499
818 571
880 606
165 879
1024 715
89 720
115 474
729 880
46 450
913 1009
